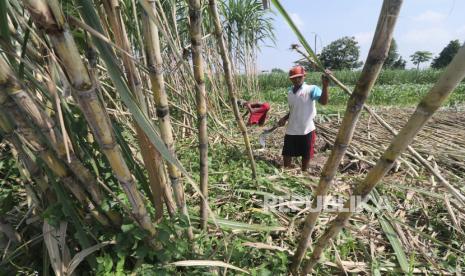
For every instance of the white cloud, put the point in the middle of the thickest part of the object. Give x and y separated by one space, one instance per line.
297 20
430 17
427 36
364 38
433 38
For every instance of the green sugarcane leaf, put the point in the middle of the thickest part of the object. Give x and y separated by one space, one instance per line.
133 166
69 210
297 32
395 242
254 192
391 234
23 50
429 237
4 31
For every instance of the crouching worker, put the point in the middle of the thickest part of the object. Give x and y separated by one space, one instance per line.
258 112
300 133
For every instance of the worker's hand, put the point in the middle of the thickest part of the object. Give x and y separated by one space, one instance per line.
325 77
282 122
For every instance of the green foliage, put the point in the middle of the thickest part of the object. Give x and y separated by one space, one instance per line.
399 63
446 55
277 70
7 200
392 56
4 32
68 209
381 95
246 25
419 57
394 60
9 178
341 54
131 253
350 77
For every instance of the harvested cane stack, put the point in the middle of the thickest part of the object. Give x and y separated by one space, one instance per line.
440 141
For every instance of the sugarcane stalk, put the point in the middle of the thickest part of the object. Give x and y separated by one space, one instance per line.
266 4
48 127
31 46
36 174
28 162
169 198
48 16
149 153
452 76
373 65
7 131
230 83
112 9
31 138
195 30
155 71
30 165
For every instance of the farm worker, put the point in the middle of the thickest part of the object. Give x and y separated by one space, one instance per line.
258 112
300 133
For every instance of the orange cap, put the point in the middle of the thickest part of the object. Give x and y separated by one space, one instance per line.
296 71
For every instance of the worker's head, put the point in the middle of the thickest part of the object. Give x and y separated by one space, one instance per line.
297 75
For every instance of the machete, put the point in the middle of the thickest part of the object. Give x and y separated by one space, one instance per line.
264 134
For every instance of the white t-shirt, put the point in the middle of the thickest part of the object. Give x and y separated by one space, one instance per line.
302 109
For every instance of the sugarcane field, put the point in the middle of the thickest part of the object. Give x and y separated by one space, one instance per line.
232 137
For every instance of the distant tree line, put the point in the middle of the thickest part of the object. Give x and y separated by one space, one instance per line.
344 53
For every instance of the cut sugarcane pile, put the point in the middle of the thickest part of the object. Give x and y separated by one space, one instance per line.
441 142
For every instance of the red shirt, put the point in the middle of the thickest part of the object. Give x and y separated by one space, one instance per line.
258 116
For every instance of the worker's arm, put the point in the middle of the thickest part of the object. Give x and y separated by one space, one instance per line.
283 120
253 107
248 106
325 83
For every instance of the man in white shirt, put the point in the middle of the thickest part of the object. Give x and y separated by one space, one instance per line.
300 133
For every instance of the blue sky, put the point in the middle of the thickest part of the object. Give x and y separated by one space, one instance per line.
426 25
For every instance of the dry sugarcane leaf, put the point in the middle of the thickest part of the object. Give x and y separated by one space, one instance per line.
208 263
79 257
452 214
51 238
